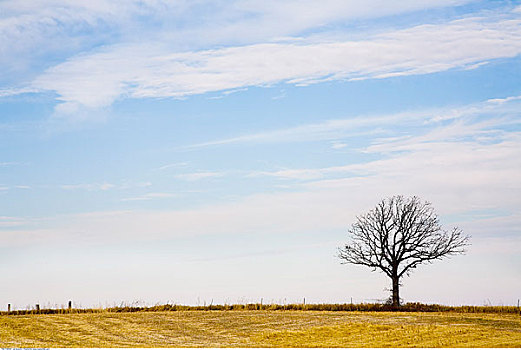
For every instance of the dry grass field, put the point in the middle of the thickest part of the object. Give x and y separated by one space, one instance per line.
261 328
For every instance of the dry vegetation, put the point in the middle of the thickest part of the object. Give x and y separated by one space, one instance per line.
261 328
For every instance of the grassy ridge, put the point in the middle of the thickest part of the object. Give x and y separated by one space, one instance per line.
409 307
261 328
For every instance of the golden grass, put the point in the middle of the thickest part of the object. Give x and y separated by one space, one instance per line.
409 307
261 329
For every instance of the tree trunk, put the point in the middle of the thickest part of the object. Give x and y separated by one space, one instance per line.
396 291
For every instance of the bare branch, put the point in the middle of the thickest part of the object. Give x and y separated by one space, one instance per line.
399 235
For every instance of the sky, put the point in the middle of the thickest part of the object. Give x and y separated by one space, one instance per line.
201 151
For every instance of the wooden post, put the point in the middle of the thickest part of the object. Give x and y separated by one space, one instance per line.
37 307
304 301
70 304
9 307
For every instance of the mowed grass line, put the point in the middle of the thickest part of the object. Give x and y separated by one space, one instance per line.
376 335
261 329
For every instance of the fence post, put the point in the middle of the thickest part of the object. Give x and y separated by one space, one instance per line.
37 307
9 307
304 301
70 304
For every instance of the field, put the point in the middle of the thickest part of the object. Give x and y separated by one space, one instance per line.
261 328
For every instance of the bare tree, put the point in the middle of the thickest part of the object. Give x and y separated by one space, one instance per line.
397 236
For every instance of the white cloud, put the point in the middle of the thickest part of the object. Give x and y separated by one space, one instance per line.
457 176
137 71
330 129
471 162
372 125
330 10
14 92
247 21
38 33
9 164
431 160
26 23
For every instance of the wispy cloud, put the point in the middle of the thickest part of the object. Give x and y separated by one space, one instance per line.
328 130
468 130
9 164
19 187
14 91
370 125
25 24
33 30
156 71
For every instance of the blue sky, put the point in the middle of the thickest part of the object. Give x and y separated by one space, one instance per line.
189 151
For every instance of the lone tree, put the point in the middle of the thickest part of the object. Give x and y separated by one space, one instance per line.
397 236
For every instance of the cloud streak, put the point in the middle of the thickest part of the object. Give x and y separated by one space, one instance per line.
372 125
36 34
133 71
